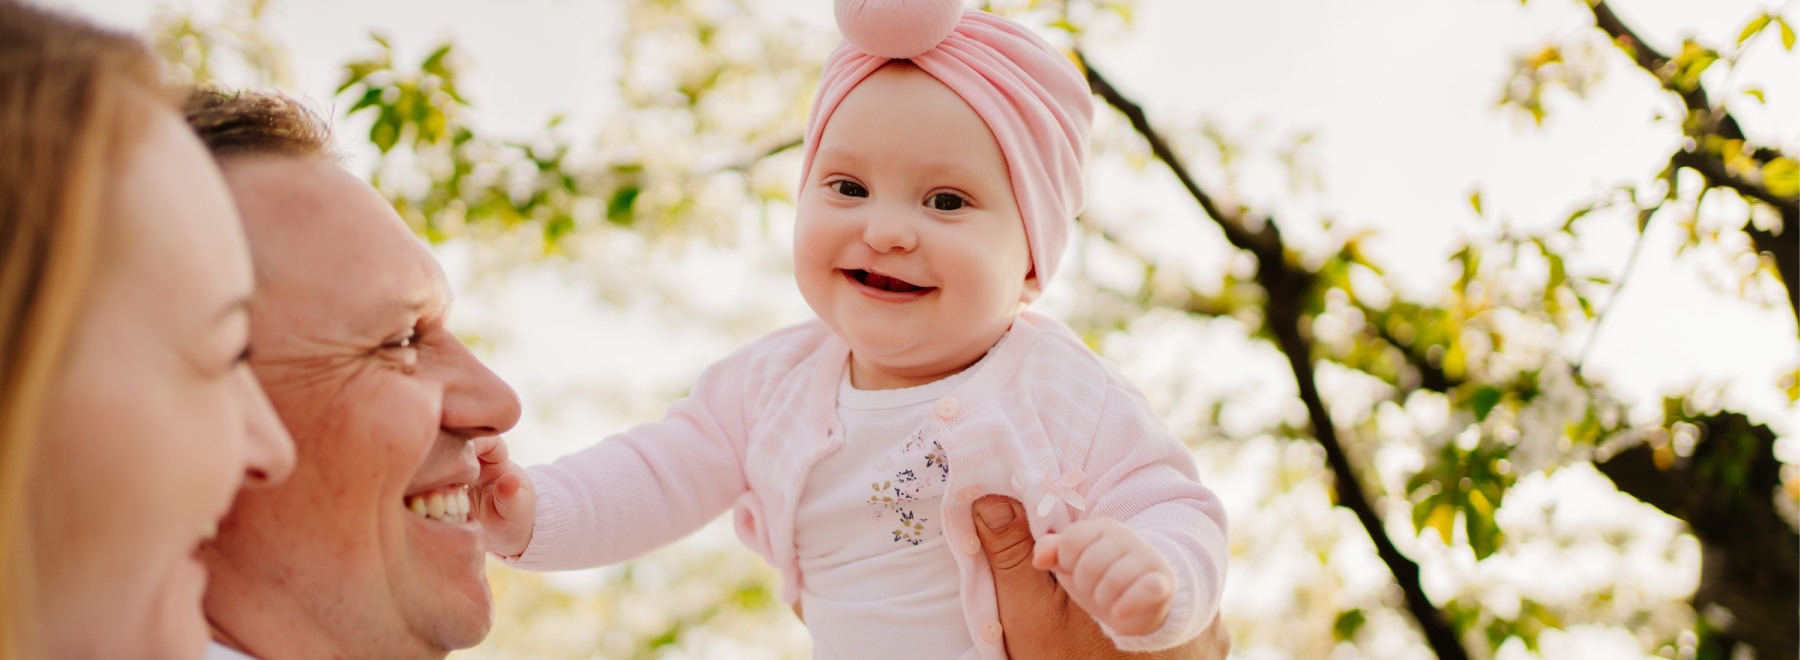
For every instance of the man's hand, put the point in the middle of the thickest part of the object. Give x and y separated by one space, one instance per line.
1037 617
505 502
1112 572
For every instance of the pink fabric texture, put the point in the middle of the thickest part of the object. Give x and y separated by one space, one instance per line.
1031 96
897 28
749 434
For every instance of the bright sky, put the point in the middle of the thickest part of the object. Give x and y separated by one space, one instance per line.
1401 156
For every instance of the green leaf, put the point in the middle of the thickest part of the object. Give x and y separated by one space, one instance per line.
1782 177
386 131
1478 521
1755 93
1347 623
1442 519
1754 27
1692 61
355 72
557 228
1787 33
369 98
1569 225
1483 401
1475 201
618 209
434 63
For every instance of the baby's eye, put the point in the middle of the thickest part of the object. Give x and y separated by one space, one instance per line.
849 188
946 201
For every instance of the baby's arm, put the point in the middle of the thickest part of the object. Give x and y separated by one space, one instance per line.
646 487
1149 519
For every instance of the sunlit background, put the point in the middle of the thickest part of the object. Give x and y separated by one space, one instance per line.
1517 262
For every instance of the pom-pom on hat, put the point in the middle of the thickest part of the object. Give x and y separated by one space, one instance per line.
1031 96
897 29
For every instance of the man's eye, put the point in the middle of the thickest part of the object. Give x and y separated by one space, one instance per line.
850 189
946 201
404 342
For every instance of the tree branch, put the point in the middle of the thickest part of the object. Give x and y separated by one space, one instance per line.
1286 286
1722 491
1785 250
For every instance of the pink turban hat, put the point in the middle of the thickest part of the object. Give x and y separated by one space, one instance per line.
1030 95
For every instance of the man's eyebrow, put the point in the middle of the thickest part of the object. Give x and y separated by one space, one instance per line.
421 303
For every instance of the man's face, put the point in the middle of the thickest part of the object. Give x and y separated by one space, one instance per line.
348 339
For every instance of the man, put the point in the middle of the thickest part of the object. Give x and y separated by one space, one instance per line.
383 402
349 558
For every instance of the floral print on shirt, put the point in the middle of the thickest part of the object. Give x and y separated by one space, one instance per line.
919 471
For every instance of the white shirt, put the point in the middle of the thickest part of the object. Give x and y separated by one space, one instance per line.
217 651
877 578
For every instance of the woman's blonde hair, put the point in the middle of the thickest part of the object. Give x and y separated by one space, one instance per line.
73 98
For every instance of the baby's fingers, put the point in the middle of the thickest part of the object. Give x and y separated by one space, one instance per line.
1141 608
490 449
508 496
1044 556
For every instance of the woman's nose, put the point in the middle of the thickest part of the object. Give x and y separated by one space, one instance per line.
269 458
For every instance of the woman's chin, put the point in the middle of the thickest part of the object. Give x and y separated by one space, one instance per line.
179 629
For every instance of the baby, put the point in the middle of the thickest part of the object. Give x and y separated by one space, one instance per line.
942 173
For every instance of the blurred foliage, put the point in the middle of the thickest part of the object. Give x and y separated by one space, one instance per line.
678 158
235 47
1478 385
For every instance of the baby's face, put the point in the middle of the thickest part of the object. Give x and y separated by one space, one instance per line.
909 243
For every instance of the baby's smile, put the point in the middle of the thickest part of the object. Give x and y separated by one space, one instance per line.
886 283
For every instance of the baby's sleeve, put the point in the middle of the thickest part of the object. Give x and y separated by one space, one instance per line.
1141 474
648 486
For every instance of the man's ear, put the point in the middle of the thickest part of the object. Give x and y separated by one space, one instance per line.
1032 288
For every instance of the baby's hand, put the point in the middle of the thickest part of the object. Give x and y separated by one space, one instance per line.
505 502
1112 572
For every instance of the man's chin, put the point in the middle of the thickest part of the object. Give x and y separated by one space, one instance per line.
456 615
452 606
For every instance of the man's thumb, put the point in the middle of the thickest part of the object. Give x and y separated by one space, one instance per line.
1005 535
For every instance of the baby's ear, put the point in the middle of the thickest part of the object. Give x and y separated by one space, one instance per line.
1032 288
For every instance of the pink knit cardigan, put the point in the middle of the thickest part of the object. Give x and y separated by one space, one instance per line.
1041 406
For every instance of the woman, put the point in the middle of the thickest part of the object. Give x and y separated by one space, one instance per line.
128 420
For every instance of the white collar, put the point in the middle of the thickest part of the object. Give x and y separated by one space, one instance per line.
217 651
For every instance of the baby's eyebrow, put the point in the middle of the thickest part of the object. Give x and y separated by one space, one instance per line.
839 156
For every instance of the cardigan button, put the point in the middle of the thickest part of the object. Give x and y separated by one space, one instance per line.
971 544
947 407
990 631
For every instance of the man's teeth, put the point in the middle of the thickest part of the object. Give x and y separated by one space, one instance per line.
448 504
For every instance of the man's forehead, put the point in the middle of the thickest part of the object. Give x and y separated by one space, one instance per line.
320 234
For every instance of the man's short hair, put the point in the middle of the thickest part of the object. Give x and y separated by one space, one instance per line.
240 123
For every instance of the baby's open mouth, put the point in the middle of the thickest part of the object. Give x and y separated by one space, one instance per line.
883 282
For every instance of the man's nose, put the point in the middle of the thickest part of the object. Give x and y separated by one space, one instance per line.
476 402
